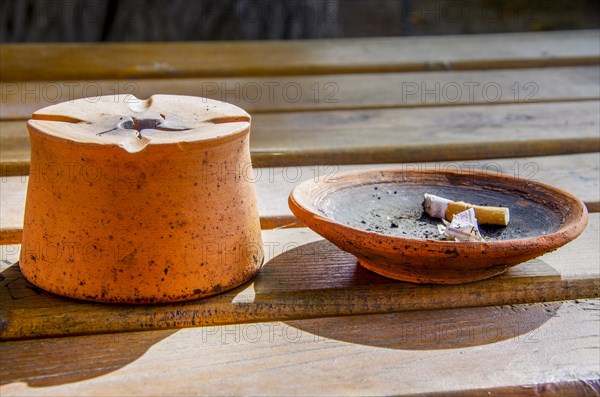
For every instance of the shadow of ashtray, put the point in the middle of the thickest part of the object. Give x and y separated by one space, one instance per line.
435 329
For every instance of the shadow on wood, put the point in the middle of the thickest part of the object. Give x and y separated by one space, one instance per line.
74 359
321 265
303 280
431 330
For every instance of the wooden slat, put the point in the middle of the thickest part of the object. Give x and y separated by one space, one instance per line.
576 173
303 277
13 191
394 135
154 60
510 350
347 91
565 388
427 134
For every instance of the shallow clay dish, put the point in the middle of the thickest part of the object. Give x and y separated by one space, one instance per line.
377 216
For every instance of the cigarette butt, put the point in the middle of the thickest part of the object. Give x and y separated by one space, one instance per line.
485 215
440 207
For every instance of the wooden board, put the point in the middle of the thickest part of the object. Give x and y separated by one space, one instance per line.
254 58
517 349
303 277
394 135
425 134
328 92
578 174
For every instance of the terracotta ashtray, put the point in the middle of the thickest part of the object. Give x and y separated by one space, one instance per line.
377 215
140 201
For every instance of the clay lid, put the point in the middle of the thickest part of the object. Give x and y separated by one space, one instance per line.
133 123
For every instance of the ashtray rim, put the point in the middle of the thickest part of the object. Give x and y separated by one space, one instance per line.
309 213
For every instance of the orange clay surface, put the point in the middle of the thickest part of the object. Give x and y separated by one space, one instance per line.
351 212
140 201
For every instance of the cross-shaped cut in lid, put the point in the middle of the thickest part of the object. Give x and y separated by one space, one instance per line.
133 123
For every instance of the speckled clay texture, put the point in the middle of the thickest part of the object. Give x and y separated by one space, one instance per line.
377 215
163 214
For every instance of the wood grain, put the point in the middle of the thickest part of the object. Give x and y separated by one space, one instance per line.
13 191
394 135
155 60
517 349
578 174
330 92
304 277
425 134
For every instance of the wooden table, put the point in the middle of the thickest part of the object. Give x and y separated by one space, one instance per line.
313 322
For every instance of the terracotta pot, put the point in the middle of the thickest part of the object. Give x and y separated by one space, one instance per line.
140 201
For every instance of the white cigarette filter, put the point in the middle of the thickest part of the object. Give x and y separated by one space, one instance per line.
439 207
